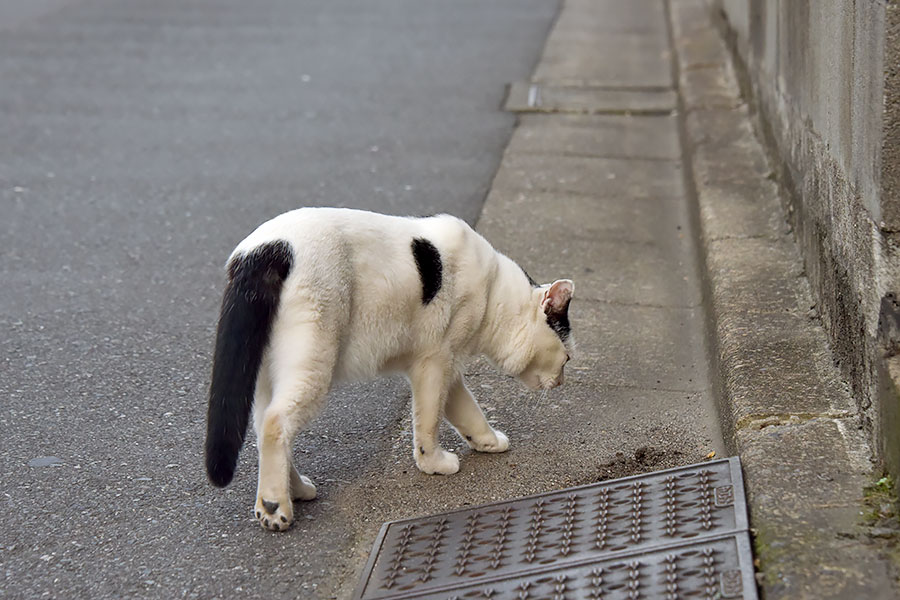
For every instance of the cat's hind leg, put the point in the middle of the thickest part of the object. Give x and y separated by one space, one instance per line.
467 418
302 360
302 488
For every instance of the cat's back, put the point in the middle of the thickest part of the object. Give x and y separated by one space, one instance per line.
359 232
382 285
311 225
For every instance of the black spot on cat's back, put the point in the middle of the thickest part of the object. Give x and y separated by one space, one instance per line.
431 269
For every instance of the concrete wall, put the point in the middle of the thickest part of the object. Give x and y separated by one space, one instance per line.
823 76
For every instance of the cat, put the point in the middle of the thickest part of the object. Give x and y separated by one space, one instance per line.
320 295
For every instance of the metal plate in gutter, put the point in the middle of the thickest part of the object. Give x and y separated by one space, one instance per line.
679 533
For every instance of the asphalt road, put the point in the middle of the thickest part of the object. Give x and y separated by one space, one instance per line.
139 141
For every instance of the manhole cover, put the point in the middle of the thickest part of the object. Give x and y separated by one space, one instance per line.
679 533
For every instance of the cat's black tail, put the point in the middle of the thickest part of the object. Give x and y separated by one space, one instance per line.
249 306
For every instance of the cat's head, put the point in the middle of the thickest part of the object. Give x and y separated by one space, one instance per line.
552 342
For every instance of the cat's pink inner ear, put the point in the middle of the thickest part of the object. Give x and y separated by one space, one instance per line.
557 296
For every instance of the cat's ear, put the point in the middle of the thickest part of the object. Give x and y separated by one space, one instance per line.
557 297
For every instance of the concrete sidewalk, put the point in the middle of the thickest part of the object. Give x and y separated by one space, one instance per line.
634 165
600 198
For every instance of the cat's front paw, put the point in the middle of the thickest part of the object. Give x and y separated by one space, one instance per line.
495 441
438 462
272 515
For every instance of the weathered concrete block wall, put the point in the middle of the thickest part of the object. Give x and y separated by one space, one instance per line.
822 76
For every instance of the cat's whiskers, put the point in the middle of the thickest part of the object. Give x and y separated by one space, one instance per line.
544 395
529 399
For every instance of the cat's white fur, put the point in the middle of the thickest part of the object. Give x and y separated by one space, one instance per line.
352 308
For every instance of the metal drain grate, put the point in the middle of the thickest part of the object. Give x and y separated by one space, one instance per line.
680 533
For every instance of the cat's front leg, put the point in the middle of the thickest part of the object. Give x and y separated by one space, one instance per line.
429 381
466 417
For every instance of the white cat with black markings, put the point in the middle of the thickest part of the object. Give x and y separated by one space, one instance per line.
320 295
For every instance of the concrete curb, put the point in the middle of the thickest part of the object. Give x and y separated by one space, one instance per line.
784 409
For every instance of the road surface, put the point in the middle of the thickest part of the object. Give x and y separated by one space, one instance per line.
139 142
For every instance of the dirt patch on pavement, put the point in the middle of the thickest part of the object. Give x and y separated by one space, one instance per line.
644 460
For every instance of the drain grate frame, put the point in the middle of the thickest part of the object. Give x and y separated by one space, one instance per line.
676 533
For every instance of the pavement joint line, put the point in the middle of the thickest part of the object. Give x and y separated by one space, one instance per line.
655 389
581 237
595 84
755 236
598 156
763 420
638 304
595 111
582 195
618 159
701 66
625 386
563 191
534 95
615 88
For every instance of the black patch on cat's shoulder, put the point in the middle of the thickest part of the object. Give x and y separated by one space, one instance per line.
428 261
559 322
